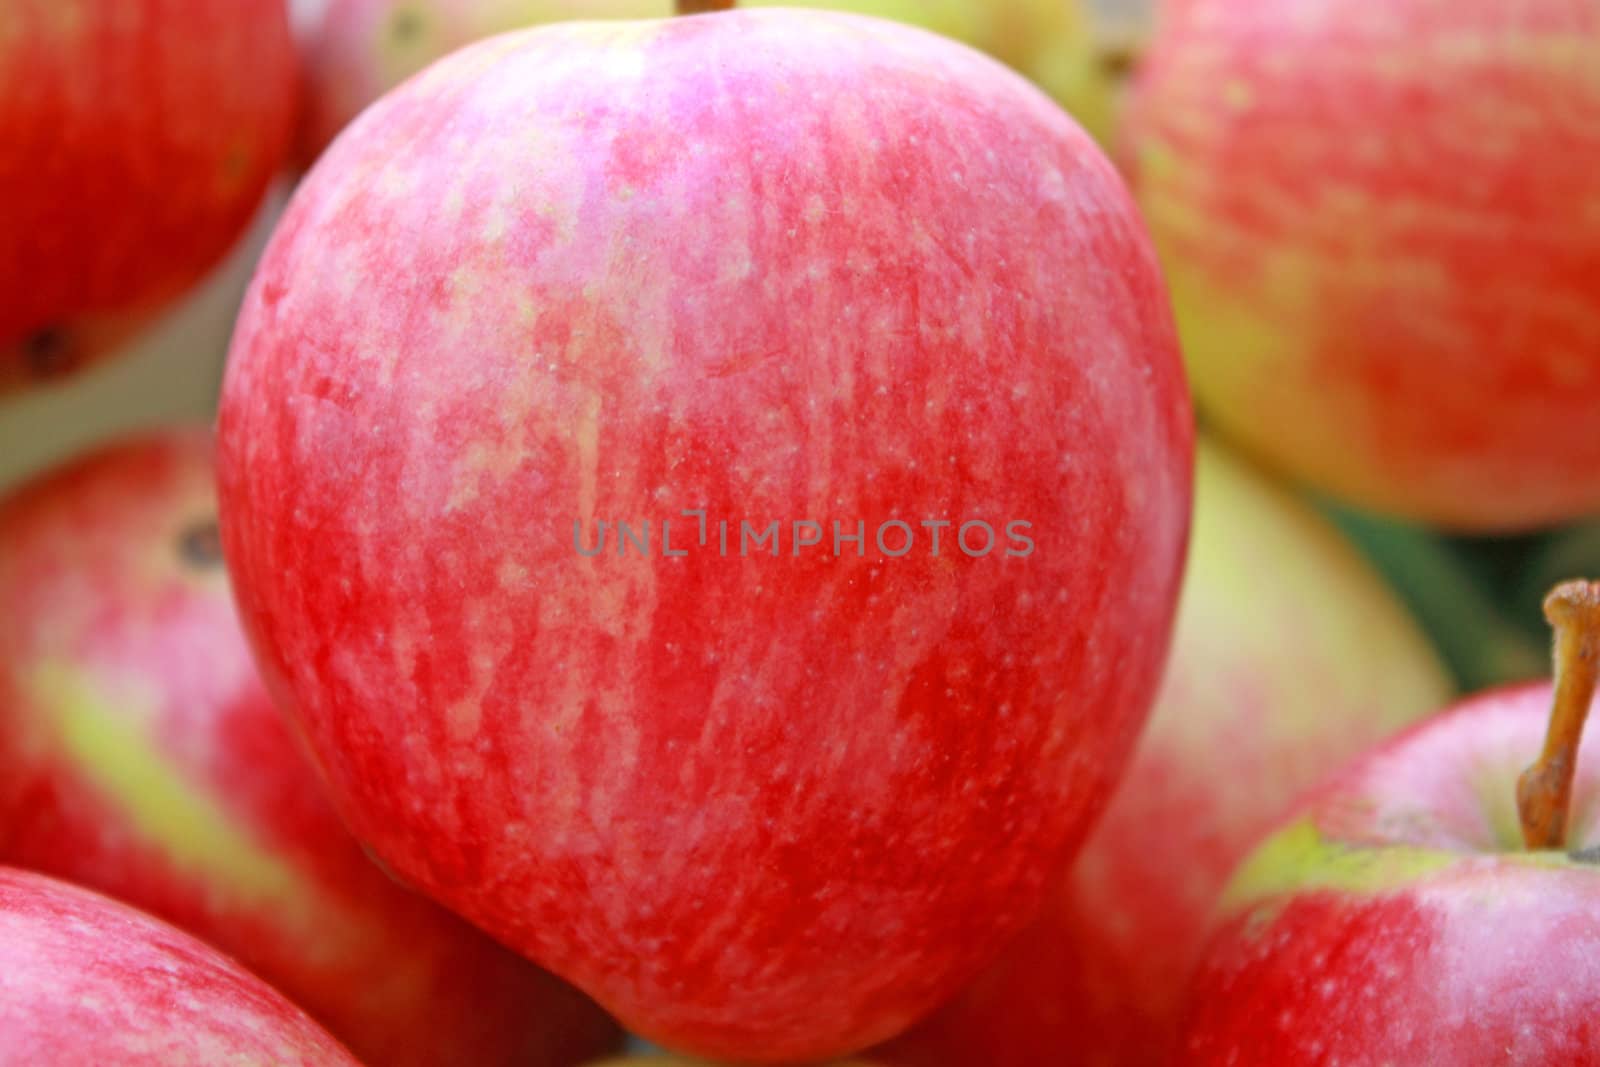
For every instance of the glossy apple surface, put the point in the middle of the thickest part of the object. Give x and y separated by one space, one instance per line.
85 981
1289 655
357 50
140 755
139 137
782 267
1395 918
1385 264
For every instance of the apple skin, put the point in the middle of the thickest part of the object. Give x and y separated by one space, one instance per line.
1386 268
1394 917
357 50
141 756
85 981
759 808
1289 654
139 136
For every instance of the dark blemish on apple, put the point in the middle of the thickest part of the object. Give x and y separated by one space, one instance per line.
406 26
48 352
1117 63
1585 855
200 545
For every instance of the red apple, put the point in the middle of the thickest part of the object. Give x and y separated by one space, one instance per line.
87 982
797 272
356 50
1385 260
1399 916
141 756
1290 654
139 136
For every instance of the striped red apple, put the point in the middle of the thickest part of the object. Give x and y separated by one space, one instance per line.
765 267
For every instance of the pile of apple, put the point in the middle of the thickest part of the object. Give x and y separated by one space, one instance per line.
704 548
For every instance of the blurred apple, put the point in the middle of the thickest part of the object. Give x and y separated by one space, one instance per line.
1290 655
1452 597
168 372
139 137
87 982
1385 261
356 50
140 755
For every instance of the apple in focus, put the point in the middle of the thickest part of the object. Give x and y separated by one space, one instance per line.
1290 654
585 437
139 138
1414 909
85 982
1384 256
140 755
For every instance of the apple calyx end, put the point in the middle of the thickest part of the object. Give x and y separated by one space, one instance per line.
1544 791
48 353
200 544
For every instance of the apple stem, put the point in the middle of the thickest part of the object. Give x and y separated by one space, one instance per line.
700 7
1544 792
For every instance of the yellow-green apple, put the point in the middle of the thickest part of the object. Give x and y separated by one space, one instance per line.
1427 905
356 50
1385 263
584 442
140 755
139 137
86 981
1289 653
